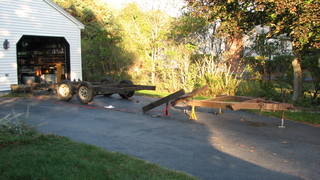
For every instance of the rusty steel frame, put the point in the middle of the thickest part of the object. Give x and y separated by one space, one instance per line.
120 88
183 98
98 87
240 102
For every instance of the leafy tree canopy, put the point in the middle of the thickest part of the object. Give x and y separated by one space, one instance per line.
299 19
234 15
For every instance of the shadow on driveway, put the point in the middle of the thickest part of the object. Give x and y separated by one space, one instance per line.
214 147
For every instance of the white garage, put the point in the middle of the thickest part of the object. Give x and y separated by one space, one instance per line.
39 42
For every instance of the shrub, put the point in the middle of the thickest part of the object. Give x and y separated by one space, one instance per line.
249 88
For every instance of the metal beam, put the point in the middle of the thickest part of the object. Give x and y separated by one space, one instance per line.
238 102
189 95
121 88
163 100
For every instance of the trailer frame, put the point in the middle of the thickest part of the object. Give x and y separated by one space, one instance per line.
237 103
84 90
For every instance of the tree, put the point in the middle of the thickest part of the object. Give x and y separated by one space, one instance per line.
144 33
235 18
312 63
102 51
298 19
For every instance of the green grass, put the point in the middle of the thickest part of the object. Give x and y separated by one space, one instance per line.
26 154
162 94
54 157
151 93
303 116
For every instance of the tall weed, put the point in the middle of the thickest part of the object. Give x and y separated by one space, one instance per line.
13 128
220 78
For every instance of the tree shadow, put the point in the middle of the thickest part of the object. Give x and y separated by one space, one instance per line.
173 142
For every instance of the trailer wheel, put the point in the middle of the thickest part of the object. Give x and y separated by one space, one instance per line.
107 81
127 94
85 92
65 90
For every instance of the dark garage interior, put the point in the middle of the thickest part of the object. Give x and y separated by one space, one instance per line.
42 59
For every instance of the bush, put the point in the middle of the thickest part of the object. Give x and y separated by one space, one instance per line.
260 88
267 90
312 63
249 88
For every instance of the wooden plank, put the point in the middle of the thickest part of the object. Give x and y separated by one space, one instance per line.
59 72
189 95
163 100
21 88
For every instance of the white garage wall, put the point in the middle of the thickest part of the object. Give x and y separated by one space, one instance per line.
38 18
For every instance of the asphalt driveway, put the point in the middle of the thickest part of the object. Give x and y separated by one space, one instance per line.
234 145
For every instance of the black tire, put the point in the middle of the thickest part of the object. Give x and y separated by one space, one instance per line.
66 90
85 92
128 94
107 81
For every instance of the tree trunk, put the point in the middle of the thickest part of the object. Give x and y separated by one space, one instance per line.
297 79
235 44
153 67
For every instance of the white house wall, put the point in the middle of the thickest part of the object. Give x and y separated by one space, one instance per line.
38 18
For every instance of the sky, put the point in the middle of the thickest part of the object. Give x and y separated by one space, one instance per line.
172 7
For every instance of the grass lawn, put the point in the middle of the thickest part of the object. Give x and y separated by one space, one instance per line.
54 157
157 94
303 116
24 154
151 93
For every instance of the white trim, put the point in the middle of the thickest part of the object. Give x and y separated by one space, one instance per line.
63 12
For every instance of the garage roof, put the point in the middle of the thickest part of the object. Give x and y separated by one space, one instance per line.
63 12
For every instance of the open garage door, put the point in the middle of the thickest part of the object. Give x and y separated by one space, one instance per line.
43 59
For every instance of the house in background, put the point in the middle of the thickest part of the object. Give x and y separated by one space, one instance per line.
280 45
39 42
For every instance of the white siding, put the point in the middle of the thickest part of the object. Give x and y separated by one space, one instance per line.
38 18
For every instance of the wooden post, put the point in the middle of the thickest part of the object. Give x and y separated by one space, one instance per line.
59 72
282 119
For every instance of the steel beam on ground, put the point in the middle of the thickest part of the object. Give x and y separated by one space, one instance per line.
189 95
163 100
